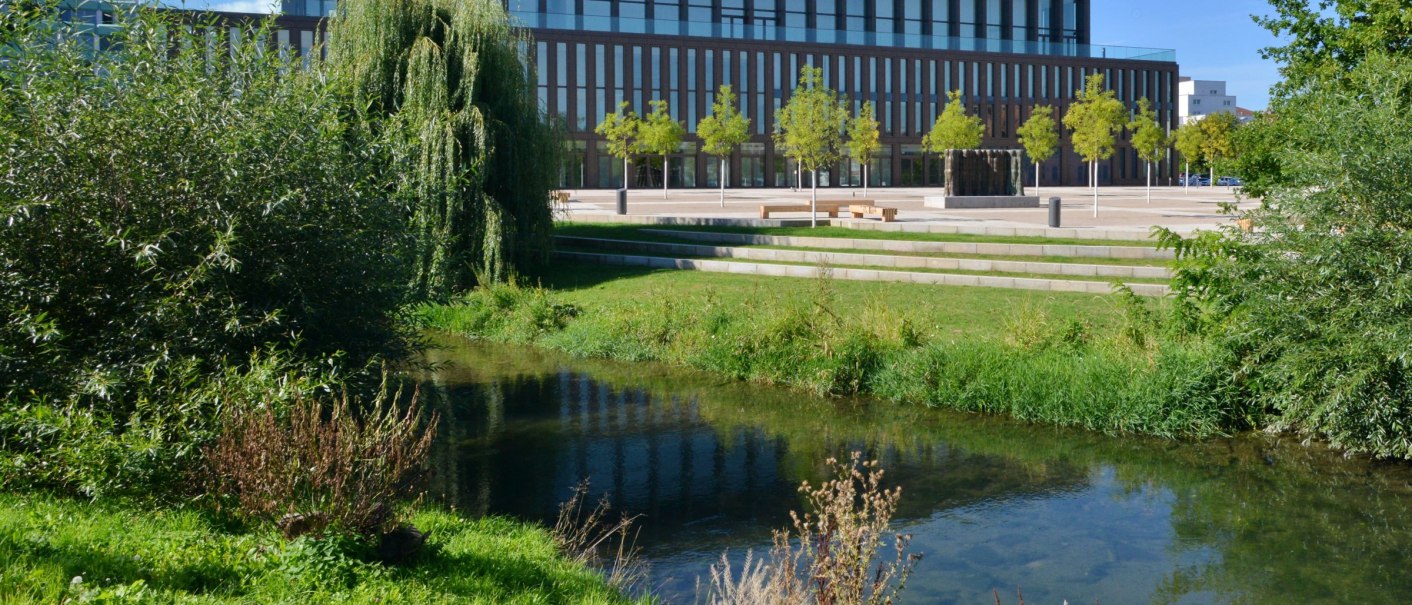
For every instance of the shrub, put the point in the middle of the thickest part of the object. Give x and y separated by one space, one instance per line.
1313 306
170 206
318 466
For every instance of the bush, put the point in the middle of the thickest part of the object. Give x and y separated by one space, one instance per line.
1314 306
317 467
172 205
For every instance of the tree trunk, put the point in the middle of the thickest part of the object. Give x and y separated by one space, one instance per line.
1213 173
723 182
1186 178
1093 165
814 198
625 174
665 178
1149 183
1036 179
798 176
865 179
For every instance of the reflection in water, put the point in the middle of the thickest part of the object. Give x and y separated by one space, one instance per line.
993 504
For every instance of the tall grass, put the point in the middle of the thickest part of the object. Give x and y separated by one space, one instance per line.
1039 368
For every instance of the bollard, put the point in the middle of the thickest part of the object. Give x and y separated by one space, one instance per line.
622 201
1054 205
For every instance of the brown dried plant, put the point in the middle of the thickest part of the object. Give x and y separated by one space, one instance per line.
314 467
588 537
828 555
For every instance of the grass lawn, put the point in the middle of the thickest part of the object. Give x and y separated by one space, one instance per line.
846 233
944 311
1059 358
62 551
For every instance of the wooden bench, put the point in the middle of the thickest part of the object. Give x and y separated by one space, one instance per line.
829 207
861 210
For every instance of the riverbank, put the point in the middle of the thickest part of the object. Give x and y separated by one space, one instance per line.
1057 358
59 550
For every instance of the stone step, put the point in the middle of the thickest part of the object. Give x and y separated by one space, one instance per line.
943 279
869 260
1125 235
919 247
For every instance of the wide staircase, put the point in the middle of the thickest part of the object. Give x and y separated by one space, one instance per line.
1008 263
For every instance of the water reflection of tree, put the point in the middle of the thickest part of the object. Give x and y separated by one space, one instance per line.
1282 522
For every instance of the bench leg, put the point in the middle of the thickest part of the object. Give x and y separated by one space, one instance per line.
888 218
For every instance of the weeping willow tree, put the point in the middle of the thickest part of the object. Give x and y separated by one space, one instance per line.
448 88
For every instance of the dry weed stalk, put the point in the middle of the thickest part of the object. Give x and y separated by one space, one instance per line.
318 467
585 537
826 558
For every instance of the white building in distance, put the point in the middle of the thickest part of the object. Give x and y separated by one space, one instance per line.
1199 98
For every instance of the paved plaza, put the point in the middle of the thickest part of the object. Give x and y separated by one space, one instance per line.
1119 208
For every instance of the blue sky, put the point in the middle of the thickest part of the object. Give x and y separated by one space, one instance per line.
1214 39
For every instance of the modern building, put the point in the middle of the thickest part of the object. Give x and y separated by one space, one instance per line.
1005 56
1197 99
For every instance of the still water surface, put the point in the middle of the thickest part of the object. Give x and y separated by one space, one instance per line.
993 504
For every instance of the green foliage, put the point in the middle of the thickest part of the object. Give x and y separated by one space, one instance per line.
1039 134
620 131
61 551
725 129
1217 143
659 133
863 141
1258 147
1315 303
812 123
1148 137
1188 142
165 222
954 128
1093 119
1324 45
444 86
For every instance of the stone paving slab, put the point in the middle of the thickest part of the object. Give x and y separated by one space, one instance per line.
946 279
871 260
1125 210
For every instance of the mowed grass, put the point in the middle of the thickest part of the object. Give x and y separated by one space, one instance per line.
569 228
946 312
63 551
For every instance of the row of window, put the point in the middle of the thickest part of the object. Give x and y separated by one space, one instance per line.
991 19
581 82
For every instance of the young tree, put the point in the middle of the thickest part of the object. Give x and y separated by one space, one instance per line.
863 139
1216 143
811 126
659 133
1187 140
1149 139
620 129
1093 120
954 129
1040 137
723 131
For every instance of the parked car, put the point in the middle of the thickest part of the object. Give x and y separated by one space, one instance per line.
1197 180
1228 181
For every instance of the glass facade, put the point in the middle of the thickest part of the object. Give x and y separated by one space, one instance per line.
1004 56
